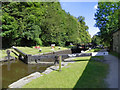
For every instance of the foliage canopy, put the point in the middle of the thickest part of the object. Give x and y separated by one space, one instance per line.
40 23
107 20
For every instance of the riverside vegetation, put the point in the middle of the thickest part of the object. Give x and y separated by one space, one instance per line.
40 23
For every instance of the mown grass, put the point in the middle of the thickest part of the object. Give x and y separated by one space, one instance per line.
31 50
100 57
94 50
81 74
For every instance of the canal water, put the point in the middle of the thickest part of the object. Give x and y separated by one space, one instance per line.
16 69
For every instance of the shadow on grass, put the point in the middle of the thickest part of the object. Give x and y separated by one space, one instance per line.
81 60
76 60
93 76
115 54
54 69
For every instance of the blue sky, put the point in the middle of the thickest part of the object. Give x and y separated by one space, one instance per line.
86 9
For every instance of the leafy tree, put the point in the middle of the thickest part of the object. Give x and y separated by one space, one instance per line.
40 23
107 20
96 40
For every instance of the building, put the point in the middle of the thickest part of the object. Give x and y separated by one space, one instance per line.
116 41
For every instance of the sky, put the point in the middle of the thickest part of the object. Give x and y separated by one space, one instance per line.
85 9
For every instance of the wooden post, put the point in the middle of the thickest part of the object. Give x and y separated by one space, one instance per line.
8 55
60 60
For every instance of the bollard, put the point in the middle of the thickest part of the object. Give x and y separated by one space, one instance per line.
8 54
60 60
56 60
9 64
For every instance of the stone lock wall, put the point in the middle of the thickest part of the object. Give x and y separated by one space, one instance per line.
68 51
116 41
49 57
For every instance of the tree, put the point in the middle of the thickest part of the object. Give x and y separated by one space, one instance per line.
107 20
96 40
83 33
40 23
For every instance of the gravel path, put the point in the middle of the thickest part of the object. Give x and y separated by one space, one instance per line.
112 77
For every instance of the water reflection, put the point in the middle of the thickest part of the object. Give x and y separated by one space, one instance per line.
16 69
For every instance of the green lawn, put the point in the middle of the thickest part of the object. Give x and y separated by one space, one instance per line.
30 50
81 74
115 54
94 50
100 57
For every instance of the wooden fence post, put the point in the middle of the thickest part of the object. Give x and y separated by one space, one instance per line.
60 60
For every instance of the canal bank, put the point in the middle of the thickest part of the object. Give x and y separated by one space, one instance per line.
29 78
83 73
14 69
21 82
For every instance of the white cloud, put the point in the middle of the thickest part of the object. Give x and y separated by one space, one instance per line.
96 6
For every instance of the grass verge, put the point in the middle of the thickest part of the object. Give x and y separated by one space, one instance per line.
81 74
94 50
115 54
31 50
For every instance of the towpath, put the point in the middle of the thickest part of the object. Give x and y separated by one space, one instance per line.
112 77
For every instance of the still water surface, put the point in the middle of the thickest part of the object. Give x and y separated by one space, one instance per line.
15 70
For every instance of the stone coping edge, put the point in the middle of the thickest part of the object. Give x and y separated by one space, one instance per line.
21 82
25 80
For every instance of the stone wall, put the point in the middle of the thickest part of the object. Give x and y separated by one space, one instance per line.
49 57
68 51
116 41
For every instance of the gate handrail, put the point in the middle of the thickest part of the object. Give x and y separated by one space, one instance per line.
20 52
